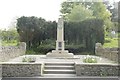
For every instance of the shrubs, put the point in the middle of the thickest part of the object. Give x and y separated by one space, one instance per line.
75 48
87 32
43 49
111 42
30 52
89 59
28 59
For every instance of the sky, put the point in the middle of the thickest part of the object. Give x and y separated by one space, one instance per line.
10 10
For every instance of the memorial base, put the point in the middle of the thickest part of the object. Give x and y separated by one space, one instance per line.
60 54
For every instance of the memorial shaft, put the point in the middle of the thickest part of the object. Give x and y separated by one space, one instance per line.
60 35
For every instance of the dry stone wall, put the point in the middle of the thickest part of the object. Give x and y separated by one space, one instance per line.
0 71
10 52
110 53
21 69
97 69
36 69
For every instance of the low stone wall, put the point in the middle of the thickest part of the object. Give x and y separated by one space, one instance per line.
21 69
10 52
110 53
36 69
96 69
0 71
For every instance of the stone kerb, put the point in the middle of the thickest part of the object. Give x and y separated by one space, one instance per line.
110 53
9 52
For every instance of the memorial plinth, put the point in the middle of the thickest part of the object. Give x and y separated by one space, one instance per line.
60 50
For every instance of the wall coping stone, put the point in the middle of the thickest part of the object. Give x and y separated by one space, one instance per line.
22 63
95 64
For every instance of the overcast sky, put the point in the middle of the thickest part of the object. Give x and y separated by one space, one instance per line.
12 9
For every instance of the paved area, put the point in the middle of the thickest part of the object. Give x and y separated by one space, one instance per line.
77 58
64 78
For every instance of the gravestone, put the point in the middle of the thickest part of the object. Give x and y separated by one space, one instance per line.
60 50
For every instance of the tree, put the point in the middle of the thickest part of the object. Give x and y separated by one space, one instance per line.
85 33
9 35
73 10
86 23
113 8
29 28
36 31
66 8
79 13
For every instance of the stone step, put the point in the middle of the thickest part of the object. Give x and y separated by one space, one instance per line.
58 67
59 75
60 63
59 71
64 78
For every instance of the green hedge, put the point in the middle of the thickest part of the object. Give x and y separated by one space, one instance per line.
43 49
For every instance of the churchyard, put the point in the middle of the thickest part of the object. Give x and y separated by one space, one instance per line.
83 42
58 62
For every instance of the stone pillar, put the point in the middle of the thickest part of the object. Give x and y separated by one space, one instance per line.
98 49
60 35
60 49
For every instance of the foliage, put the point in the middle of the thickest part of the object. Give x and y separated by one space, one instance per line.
100 11
111 42
118 35
31 51
113 9
79 13
43 49
42 40
33 30
66 8
28 27
98 8
9 37
89 59
10 43
76 49
72 11
28 59
87 32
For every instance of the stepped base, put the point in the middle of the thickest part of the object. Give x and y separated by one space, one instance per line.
59 75
60 54
56 69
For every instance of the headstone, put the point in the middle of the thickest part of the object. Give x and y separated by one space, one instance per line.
60 50
113 34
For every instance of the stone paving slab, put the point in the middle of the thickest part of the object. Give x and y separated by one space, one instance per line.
77 59
64 78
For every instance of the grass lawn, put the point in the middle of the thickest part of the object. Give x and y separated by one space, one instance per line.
111 42
9 43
